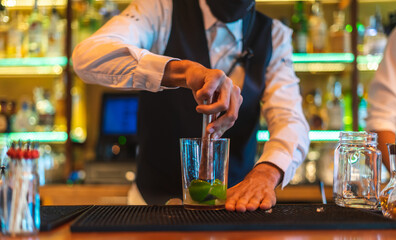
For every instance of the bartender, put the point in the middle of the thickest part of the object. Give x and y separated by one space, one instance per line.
182 52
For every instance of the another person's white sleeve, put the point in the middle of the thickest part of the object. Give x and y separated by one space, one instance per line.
382 91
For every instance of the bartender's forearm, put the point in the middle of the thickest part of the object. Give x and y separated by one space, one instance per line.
385 137
176 71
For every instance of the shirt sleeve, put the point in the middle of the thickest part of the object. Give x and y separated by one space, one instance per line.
127 51
382 91
282 109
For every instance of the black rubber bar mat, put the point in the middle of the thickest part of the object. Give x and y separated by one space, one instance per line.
54 216
176 218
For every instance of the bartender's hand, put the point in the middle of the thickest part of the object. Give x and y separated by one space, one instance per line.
207 84
256 190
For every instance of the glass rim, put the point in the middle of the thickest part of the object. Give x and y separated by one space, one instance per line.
358 137
199 139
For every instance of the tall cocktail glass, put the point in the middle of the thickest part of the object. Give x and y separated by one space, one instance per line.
204 177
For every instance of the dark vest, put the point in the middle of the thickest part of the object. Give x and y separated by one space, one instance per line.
167 116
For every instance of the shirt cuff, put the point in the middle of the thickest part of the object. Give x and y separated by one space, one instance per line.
149 72
282 161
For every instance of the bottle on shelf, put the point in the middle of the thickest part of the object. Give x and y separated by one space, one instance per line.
300 28
25 119
16 36
375 38
362 108
35 33
340 38
108 10
45 109
313 109
4 19
89 22
3 116
317 29
335 105
55 34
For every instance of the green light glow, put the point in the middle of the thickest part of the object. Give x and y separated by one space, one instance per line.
122 140
323 57
33 62
314 135
54 137
348 28
369 59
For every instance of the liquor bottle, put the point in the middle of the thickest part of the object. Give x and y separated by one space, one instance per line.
3 116
317 29
35 33
108 10
4 18
335 106
362 108
375 38
25 119
313 109
300 28
89 22
16 35
55 35
340 38
44 108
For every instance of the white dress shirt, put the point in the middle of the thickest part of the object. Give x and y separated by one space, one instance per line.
127 53
382 91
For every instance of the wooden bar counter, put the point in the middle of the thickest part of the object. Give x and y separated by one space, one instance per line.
86 194
63 233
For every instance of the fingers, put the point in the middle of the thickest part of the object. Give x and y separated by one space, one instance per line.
250 201
255 191
228 119
214 80
213 84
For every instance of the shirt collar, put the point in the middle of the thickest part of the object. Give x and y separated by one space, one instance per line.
209 19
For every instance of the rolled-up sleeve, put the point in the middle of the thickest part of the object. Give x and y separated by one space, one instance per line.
282 108
116 55
382 92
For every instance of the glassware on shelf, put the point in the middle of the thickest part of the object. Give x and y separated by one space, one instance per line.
317 29
340 38
357 170
300 28
386 192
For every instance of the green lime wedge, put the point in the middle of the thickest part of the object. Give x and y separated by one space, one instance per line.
219 190
209 202
199 189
